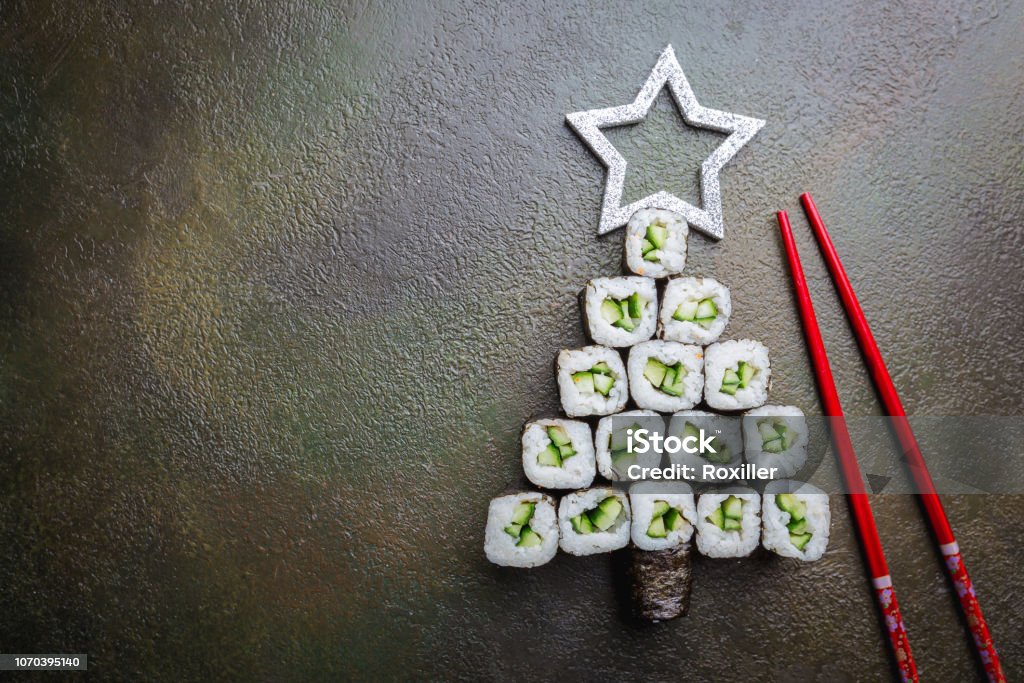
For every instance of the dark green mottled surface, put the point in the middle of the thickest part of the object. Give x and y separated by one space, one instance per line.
280 286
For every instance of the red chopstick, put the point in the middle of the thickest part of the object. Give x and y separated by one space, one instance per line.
860 508
911 451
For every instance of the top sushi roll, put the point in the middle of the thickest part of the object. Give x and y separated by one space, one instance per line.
621 311
737 375
592 381
656 243
694 310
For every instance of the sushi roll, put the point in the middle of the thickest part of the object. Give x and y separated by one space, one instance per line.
656 243
522 530
727 441
611 443
592 381
694 310
776 436
593 521
661 582
737 374
666 376
728 522
558 454
663 514
620 311
796 520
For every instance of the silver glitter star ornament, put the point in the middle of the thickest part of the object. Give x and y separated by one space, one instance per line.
588 125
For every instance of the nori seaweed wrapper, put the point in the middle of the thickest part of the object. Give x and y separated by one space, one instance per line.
660 582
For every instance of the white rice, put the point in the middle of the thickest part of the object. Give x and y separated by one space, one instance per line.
577 471
672 256
577 404
715 542
819 517
617 470
501 548
788 461
693 289
726 355
619 288
725 428
646 395
615 537
643 495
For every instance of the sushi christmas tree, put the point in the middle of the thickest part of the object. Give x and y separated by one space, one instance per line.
685 366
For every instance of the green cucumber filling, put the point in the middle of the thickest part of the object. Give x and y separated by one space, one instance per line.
666 378
519 526
664 520
738 377
618 442
596 380
799 536
722 453
776 435
625 313
558 450
702 312
600 518
654 240
728 515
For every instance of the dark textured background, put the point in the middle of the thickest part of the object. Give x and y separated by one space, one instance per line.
280 286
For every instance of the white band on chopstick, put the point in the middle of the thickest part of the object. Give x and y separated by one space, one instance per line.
948 549
882 581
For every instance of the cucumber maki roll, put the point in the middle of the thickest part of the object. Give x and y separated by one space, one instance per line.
737 374
726 434
661 582
558 454
592 381
593 521
663 514
611 442
776 436
666 376
796 520
620 311
656 243
694 310
522 530
728 522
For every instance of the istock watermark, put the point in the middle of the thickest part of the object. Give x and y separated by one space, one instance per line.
964 454
643 441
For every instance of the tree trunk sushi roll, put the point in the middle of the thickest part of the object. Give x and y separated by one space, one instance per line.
611 442
522 530
593 521
620 311
737 374
728 522
796 520
656 243
592 381
558 454
661 582
776 436
727 440
663 514
694 310
666 376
